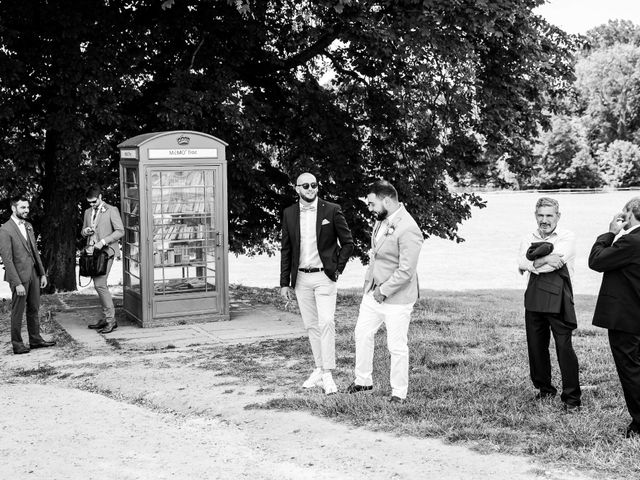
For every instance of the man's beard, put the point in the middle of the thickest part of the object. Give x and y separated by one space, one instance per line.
380 216
22 216
307 198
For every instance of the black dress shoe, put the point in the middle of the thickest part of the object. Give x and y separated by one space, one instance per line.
97 326
633 430
20 349
353 388
42 344
110 327
395 399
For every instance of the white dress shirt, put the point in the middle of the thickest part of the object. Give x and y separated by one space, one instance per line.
622 233
309 256
564 243
21 227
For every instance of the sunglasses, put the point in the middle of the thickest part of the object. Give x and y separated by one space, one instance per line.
306 186
92 202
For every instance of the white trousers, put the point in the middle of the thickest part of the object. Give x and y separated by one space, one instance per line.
396 319
316 295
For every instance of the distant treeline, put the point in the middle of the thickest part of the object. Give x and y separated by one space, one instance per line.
594 135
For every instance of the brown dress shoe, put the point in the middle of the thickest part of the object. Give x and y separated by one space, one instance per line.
97 326
20 349
110 327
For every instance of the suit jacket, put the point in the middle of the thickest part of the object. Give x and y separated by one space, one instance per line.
20 256
551 292
108 226
394 259
333 238
618 305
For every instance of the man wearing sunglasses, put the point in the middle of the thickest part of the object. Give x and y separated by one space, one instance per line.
102 228
316 245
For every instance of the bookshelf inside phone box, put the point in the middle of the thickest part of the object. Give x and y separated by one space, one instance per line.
173 188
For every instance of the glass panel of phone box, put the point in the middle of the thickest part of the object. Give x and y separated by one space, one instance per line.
131 241
184 236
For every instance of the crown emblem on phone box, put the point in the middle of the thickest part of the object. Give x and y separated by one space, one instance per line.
183 140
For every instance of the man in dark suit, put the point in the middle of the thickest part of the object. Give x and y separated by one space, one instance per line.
24 272
316 245
549 304
618 305
102 227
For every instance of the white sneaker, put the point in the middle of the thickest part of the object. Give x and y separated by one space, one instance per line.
314 380
328 383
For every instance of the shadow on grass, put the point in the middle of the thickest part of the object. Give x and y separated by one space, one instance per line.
469 382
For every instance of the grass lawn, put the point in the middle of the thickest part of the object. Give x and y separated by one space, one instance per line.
469 381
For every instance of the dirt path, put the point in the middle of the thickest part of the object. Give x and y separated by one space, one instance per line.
150 416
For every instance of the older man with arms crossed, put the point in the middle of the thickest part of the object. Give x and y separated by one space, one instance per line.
390 290
316 245
618 305
548 255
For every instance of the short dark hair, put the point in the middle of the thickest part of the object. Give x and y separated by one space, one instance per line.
21 197
94 191
383 189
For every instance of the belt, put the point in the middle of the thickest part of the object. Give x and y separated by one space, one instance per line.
310 270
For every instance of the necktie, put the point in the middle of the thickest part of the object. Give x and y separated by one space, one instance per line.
93 215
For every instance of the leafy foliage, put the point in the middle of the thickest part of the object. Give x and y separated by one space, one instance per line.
620 164
414 91
593 142
564 158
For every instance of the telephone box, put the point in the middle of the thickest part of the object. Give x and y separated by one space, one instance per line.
173 187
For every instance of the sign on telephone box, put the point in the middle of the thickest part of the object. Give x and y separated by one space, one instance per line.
173 188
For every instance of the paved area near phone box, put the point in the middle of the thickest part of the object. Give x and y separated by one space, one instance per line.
248 324
183 422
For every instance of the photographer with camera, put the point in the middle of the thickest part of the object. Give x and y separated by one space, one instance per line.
102 227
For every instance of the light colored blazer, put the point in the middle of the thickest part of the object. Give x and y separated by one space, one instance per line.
394 259
19 259
108 227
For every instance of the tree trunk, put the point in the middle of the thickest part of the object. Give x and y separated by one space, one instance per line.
60 195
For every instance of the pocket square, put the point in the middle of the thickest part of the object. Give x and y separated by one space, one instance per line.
325 221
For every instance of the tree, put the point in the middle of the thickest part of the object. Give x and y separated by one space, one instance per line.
620 164
611 33
421 91
563 157
608 83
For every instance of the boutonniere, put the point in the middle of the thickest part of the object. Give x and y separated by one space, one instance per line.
102 209
390 229
28 226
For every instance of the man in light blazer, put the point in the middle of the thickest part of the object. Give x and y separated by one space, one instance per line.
102 227
390 290
617 254
316 245
24 272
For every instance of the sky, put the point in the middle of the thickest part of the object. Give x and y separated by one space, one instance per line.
578 16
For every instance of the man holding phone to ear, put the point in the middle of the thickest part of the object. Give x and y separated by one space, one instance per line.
617 254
